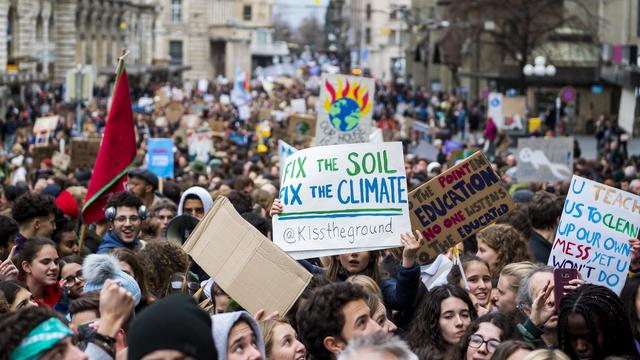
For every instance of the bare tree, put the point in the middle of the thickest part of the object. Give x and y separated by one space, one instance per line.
520 25
309 32
282 29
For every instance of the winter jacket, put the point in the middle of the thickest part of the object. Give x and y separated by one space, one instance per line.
111 241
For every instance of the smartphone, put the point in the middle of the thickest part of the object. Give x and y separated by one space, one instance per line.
561 277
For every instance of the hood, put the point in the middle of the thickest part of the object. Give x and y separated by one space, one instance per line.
201 193
221 327
111 241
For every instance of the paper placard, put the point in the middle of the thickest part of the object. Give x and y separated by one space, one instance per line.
160 157
542 159
61 161
304 125
284 150
342 197
200 143
456 204
346 107
298 106
244 263
84 153
597 222
43 129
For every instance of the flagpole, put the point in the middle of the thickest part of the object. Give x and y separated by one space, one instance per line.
119 68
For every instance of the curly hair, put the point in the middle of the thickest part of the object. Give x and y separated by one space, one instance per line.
322 315
425 330
162 259
500 320
129 257
14 326
604 316
30 206
336 272
124 199
508 244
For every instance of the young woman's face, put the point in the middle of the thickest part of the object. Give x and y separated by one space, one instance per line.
44 267
286 345
504 296
479 281
242 343
488 337
579 335
72 275
487 254
380 317
454 319
354 263
22 300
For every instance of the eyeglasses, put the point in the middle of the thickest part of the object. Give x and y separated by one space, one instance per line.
476 341
132 219
71 279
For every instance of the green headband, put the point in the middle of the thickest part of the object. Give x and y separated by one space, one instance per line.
43 337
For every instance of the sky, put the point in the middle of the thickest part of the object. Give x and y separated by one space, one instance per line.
293 11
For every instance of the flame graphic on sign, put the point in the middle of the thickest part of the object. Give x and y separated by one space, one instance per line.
354 92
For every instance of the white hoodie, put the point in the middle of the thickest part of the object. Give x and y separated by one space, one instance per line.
201 193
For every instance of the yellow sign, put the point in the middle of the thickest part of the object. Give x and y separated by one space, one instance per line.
535 125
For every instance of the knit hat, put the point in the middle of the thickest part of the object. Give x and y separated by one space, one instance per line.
173 323
67 204
222 324
97 268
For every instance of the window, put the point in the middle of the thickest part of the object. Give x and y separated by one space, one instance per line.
246 13
368 11
367 36
175 52
392 37
176 11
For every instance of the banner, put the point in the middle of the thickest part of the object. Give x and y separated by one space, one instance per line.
284 150
597 222
345 111
544 160
456 204
343 198
160 157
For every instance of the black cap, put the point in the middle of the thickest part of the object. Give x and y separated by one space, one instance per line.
173 323
147 176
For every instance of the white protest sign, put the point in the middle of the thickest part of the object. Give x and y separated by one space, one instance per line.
495 109
284 150
597 222
342 198
200 143
376 136
298 106
541 159
345 111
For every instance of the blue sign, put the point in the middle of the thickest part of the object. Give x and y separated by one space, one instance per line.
160 157
596 89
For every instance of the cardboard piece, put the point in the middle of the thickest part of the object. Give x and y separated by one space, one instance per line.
216 126
244 263
301 124
173 112
456 204
346 109
349 196
84 153
542 159
40 153
264 114
514 110
592 236
61 161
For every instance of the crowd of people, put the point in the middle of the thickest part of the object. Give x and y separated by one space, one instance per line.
122 289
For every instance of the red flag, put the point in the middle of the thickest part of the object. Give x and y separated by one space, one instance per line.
116 155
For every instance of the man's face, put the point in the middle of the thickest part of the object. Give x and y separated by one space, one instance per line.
165 216
137 186
126 224
357 320
46 225
537 283
194 207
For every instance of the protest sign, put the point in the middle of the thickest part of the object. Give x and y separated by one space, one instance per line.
84 153
264 114
284 150
301 124
514 110
160 157
298 106
40 153
60 160
542 159
424 150
376 136
244 263
43 129
456 204
495 109
596 224
200 143
345 111
173 112
535 125
341 198
191 121
216 125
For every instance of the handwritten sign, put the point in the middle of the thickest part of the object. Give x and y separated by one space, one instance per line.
456 204
160 157
200 143
597 222
302 125
84 153
340 198
345 110
284 150
541 159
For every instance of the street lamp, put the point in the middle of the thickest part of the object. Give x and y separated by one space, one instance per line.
541 69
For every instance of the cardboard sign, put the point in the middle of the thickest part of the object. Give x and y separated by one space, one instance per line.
216 126
514 110
597 222
244 263
342 198
40 153
284 150
160 157
84 153
200 143
304 125
346 107
456 204
542 159
61 161
298 106
173 112
264 114
43 129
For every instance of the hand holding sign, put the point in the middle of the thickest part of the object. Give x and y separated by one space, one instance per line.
411 246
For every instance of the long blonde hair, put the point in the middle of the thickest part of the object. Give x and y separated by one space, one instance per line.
266 329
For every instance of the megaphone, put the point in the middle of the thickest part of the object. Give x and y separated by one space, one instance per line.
180 227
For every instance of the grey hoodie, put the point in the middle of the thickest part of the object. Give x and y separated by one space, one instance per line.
221 325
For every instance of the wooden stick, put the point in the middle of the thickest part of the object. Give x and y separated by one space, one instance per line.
83 235
160 184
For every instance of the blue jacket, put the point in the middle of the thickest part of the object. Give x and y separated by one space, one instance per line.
111 241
